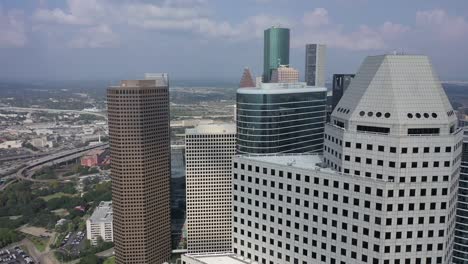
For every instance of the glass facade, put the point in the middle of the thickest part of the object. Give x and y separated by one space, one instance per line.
460 247
269 123
275 50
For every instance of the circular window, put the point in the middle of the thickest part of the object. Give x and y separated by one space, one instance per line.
370 113
434 115
387 115
362 113
426 115
418 115
410 115
378 114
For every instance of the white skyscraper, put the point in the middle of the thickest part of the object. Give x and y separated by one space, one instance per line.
315 59
209 151
383 193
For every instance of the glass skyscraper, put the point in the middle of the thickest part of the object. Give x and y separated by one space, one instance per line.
280 118
460 248
275 50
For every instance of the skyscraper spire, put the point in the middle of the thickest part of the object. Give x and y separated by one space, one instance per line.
247 79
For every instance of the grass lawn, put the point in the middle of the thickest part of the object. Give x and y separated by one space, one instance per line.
110 260
39 243
55 195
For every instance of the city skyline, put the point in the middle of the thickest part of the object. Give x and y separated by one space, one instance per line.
86 39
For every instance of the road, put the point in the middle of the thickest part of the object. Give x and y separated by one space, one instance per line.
27 172
23 109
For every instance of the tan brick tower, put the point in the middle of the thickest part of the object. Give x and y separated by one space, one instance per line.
138 112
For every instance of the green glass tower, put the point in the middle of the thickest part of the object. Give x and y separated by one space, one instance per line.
275 50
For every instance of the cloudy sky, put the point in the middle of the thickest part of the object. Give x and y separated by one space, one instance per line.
215 39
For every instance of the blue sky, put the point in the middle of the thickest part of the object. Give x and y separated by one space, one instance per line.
216 39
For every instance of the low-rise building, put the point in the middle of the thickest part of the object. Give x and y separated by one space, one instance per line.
11 144
100 224
94 158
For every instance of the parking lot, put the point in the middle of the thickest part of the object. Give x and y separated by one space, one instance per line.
15 255
73 242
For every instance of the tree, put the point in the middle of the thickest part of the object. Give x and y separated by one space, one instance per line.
90 259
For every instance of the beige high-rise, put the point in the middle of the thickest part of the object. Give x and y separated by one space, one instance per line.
209 150
138 112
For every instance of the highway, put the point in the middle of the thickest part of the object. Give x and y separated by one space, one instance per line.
23 109
30 167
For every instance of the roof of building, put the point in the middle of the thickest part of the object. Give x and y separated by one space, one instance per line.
220 259
281 88
102 213
402 89
302 161
246 79
225 128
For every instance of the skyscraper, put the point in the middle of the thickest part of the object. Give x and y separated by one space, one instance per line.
138 113
315 59
284 75
275 50
247 79
280 118
340 84
209 151
460 249
383 193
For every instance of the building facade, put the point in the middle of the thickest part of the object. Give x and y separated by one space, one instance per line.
280 118
315 59
383 193
275 50
208 154
285 74
99 225
460 248
138 117
247 79
340 84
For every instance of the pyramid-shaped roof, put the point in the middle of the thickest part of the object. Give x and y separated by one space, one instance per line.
247 79
395 89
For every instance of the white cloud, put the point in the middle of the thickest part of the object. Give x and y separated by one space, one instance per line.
95 37
318 27
12 29
60 17
446 26
317 17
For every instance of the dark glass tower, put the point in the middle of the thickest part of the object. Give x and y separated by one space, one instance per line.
460 248
275 50
280 118
340 84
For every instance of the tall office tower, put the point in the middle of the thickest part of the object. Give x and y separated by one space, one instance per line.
460 248
247 79
340 84
284 74
138 113
280 118
275 50
209 151
385 190
315 59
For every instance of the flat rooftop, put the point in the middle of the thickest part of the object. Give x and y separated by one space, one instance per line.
302 161
281 88
220 259
212 129
102 213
